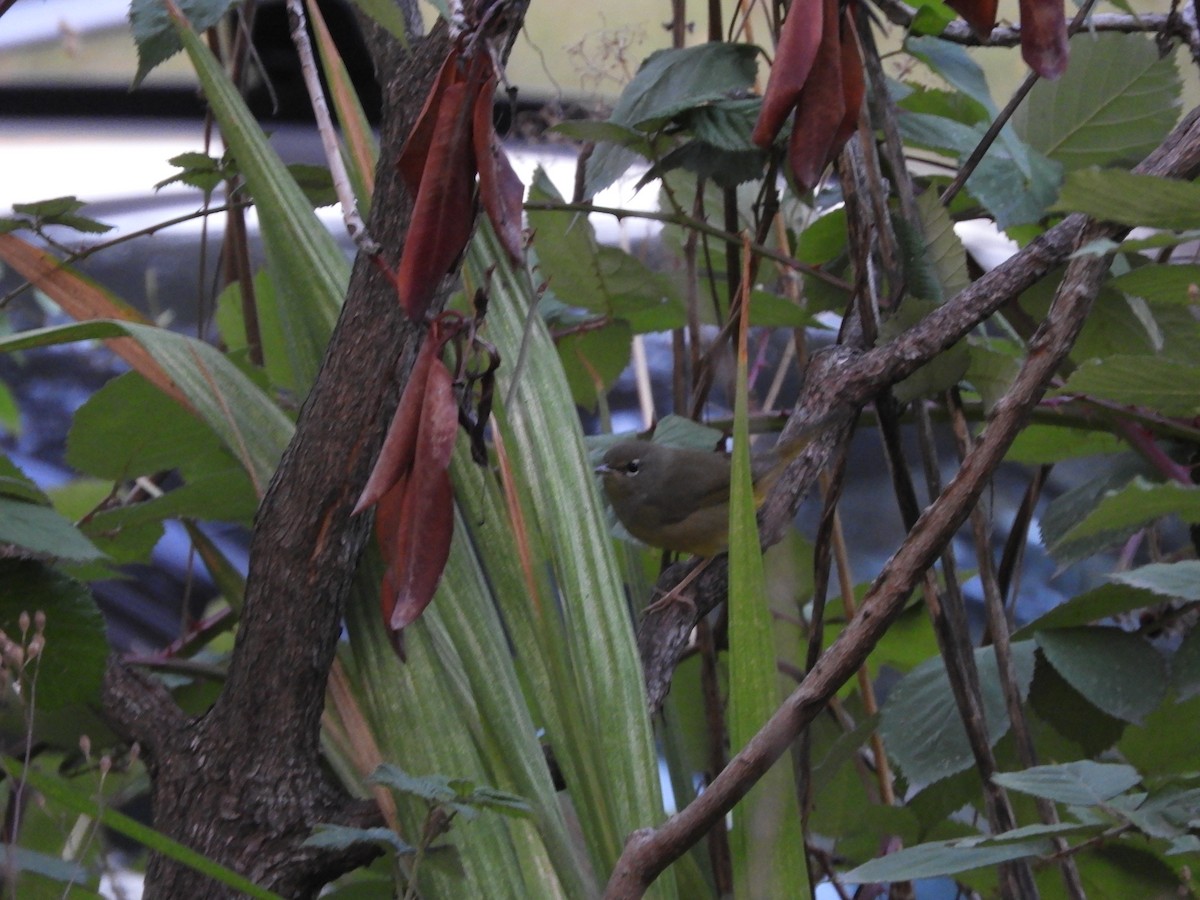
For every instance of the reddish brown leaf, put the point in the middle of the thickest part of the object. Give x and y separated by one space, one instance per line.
444 212
822 105
416 536
853 85
411 163
500 190
979 14
399 446
422 548
1044 36
794 58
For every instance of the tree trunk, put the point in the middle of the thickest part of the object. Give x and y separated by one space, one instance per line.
243 783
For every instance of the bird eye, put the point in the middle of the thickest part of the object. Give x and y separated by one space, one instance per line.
632 467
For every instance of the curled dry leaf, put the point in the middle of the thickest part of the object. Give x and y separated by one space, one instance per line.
822 106
415 528
452 141
1044 36
499 187
794 57
854 85
444 211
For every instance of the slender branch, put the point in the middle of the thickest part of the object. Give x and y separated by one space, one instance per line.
694 224
993 131
839 381
959 32
333 152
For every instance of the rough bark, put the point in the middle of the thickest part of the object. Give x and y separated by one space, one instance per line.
243 784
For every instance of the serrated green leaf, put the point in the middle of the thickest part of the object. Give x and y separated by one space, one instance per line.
937 858
668 83
1079 783
1185 667
16 485
41 531
1179 580
594 359
1165 743
943 250
1138 503
1161 283
1092 606
921 730
1117 196
1041 444
1118 672
155 36
1170 386
1117 100
76 650
603 280
942 372
129 428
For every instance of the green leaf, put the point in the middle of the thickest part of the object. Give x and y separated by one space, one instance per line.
1170 387
1071 507
40 530
776 865
1115 103
1138 503
671 82
1127 199
602 280
594 359
154 34
1161 283
1165 743
1185 667
61 211
1178 580
16 485
251 426
1040 444
936 858
1016 191
1118 672
942 372
990 372
388 14
129 428
943 250
1079 783
76 649
921 727
308 268
1093 606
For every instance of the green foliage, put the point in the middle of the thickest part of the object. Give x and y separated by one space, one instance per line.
528 646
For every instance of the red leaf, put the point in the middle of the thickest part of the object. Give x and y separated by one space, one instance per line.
1044 36
499 187
421 548
822 105
979 14
854 87
415 523
794 57
444 212
412 159
396 455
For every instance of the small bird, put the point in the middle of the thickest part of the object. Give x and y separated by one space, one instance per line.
678 499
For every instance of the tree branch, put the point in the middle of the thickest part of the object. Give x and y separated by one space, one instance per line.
839 381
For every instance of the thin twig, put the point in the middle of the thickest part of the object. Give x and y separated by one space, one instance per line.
329 140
